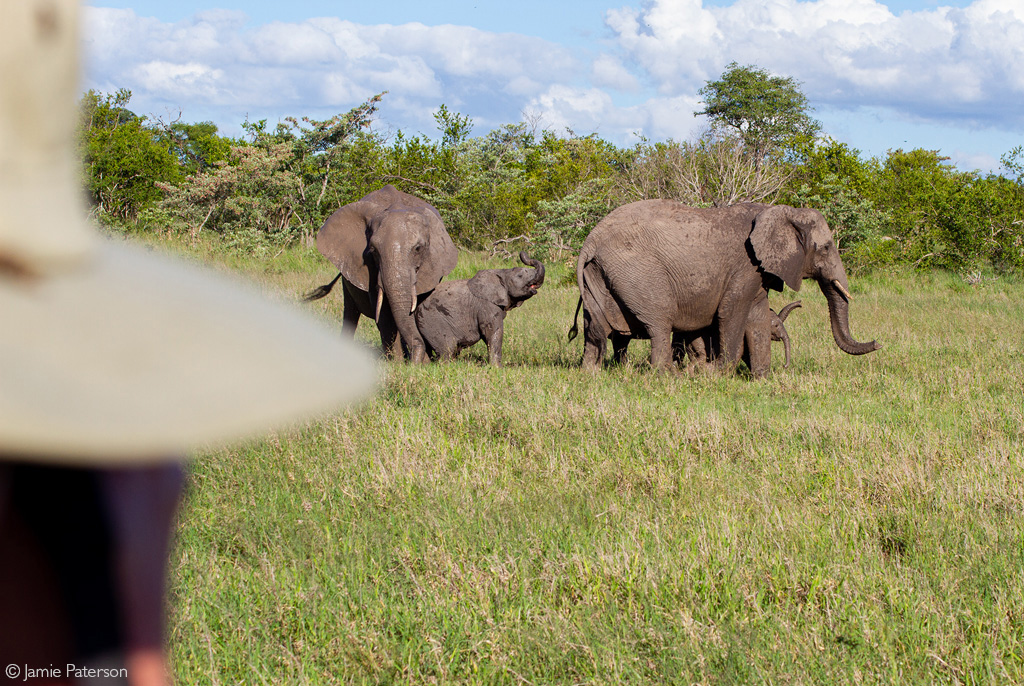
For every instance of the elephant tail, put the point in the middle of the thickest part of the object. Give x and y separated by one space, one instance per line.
320 292
574 331
586 254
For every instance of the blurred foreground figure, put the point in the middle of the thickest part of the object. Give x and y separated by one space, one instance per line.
114 362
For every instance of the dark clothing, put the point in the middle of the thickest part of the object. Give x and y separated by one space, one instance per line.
83 556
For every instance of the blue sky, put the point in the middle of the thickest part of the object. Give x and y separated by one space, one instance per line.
880 75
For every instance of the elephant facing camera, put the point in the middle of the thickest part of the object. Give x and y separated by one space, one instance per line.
458 314
391 249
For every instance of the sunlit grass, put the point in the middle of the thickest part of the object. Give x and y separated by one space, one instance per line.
849 520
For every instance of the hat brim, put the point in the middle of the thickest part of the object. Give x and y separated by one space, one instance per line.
136 357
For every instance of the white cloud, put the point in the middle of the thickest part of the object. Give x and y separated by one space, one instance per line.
183 80
609 72
564 107
947 63
317 67
940 66
294 45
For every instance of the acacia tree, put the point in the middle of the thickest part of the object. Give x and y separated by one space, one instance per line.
757 122
768 113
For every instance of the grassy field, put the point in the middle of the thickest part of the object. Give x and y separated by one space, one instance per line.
850 520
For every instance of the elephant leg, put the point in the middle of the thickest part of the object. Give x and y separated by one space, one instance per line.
698 347
389 336
661 348
595 338
758 353
620 346
355 302
731 332
494 336
448 350
349 316
678 348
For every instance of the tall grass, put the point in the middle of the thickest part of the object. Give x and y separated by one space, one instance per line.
848 520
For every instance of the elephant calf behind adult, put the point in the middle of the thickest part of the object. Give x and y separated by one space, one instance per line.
703 350
657 266
391 249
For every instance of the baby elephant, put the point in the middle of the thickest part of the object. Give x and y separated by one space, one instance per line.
459 313
702 347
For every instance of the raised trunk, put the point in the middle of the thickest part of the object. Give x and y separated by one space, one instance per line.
537 265
839 314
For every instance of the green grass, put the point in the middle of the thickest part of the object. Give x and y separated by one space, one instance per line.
849 520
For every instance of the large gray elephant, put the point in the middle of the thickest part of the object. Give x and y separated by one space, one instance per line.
657 266
392 250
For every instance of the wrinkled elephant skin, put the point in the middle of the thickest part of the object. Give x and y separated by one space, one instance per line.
391 250
655 267
460 313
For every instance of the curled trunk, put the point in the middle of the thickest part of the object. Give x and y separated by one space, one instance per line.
537 265
839 315
784 312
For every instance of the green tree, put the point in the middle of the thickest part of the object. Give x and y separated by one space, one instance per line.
123 157
251 198
318 149
197 146
1013 164
946 218
768 113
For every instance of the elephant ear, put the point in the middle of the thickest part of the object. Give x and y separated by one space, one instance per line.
779 244
487 286
441 254
344 238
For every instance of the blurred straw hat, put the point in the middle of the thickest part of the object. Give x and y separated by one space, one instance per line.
110 353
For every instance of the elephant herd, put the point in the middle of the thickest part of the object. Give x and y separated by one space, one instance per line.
694 281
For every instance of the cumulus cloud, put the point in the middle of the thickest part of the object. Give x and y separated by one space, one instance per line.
317 67
609 72
938 66
942 64
182 80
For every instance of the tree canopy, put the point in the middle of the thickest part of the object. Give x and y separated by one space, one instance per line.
515 186
768 113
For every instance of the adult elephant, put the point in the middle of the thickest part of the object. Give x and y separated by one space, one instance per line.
392 250
657 266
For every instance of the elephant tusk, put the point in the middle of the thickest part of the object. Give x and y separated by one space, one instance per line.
414 298
839 287
380 302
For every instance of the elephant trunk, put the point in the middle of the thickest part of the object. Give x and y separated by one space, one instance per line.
538 267
837 296
401 292
784 312
785 343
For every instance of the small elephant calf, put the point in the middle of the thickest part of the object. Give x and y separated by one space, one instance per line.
457 314
702 347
